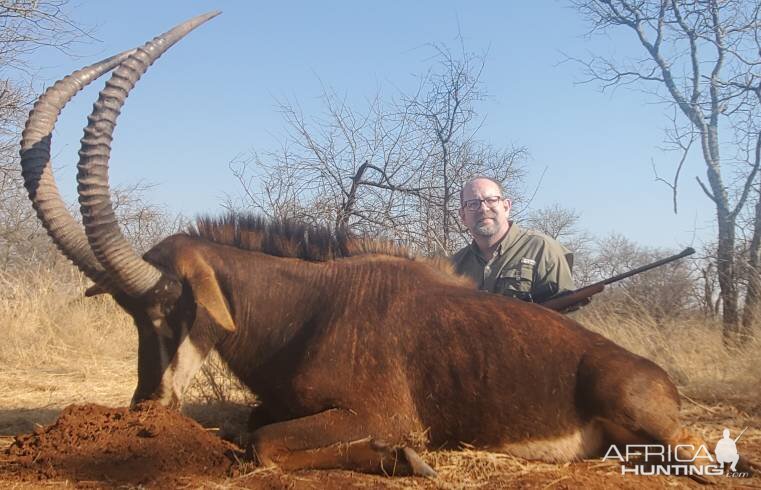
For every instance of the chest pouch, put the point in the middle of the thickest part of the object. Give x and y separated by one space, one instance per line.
516 281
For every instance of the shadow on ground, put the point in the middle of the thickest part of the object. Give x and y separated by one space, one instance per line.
227 417
15 421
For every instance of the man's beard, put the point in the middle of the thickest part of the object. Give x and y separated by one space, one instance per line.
486 228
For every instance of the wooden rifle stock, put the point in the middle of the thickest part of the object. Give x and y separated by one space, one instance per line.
566 300
560 303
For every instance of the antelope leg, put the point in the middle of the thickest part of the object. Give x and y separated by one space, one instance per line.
335 438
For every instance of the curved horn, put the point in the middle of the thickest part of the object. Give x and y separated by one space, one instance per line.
37 170
133 275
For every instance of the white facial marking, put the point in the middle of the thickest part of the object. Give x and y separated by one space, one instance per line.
189 361
178 374
167 372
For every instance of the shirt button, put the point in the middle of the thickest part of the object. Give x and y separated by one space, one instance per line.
487 269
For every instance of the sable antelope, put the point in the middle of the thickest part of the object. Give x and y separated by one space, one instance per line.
352 346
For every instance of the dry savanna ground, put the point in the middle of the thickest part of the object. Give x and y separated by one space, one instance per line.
59 349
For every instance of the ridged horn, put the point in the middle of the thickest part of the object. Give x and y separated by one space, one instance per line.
132 274
36 168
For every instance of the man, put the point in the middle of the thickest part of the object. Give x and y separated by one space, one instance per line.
726 451
505 258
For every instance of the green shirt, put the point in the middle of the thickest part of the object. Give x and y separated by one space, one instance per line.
527 265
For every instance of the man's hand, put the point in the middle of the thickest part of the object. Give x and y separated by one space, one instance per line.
576 306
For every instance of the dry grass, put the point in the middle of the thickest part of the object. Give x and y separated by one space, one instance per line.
60 347
690 350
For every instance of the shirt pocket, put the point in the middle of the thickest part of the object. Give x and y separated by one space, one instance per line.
516 281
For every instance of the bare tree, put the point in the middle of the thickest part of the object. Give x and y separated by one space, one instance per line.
752 311
445 114
393 168
562 224
707 296
143 222
344 168
556 221
669 291
701 58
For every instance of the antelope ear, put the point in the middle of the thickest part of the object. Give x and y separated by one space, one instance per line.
206 290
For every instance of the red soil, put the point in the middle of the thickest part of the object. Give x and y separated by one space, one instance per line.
147 445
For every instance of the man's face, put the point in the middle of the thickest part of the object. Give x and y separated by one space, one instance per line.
486 220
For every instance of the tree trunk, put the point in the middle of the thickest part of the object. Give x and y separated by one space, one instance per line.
751 313
708 292
727 220
347 208
725 268
445 204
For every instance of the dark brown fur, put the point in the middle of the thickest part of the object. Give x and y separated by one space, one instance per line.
355 345
288 238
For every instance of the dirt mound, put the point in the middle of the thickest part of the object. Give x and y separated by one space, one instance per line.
144 445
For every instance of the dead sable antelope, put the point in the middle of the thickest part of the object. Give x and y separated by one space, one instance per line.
352 346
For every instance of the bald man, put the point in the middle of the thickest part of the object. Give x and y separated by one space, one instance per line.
503 257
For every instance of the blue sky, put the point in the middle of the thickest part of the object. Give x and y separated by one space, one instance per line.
212 97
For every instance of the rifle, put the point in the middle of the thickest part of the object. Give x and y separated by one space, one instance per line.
570 298
740 435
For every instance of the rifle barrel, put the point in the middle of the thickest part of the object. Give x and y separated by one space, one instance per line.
562 300
684 253
741 433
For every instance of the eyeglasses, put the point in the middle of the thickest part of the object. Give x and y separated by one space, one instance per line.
475 204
